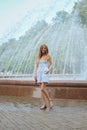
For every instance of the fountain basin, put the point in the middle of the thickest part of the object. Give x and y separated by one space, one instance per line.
61 89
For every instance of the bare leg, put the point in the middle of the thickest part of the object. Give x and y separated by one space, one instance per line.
43 100
45 93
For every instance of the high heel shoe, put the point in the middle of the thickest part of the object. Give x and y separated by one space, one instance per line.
51 105
43 107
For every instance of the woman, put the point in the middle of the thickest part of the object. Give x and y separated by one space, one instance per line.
43 67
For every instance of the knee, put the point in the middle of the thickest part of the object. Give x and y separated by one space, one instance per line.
42 89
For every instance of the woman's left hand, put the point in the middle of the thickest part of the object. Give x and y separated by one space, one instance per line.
47 71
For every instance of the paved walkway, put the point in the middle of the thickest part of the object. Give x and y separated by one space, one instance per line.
66 115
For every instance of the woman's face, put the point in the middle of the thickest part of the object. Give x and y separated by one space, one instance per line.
43 50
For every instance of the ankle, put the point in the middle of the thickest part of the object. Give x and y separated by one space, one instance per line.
43 107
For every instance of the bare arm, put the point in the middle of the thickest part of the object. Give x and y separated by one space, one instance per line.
51 64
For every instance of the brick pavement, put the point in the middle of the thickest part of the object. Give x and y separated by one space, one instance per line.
66 115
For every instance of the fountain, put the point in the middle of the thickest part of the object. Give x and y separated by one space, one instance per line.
66 38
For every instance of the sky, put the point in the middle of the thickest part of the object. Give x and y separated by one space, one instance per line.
12 11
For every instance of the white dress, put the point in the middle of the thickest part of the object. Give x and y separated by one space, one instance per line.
41 75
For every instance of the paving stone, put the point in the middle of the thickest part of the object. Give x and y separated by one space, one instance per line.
59 118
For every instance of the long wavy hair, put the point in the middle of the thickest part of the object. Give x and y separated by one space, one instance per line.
40 50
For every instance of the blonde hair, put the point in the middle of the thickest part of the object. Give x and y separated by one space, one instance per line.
40 51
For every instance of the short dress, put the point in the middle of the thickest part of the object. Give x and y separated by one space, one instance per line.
41 75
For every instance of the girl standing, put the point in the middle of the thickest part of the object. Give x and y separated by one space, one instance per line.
43 67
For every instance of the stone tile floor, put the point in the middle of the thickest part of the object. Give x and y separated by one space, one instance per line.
23 113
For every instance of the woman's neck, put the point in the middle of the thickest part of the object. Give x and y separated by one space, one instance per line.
44 57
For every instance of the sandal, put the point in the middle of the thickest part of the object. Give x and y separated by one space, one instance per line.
43 107
51 105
